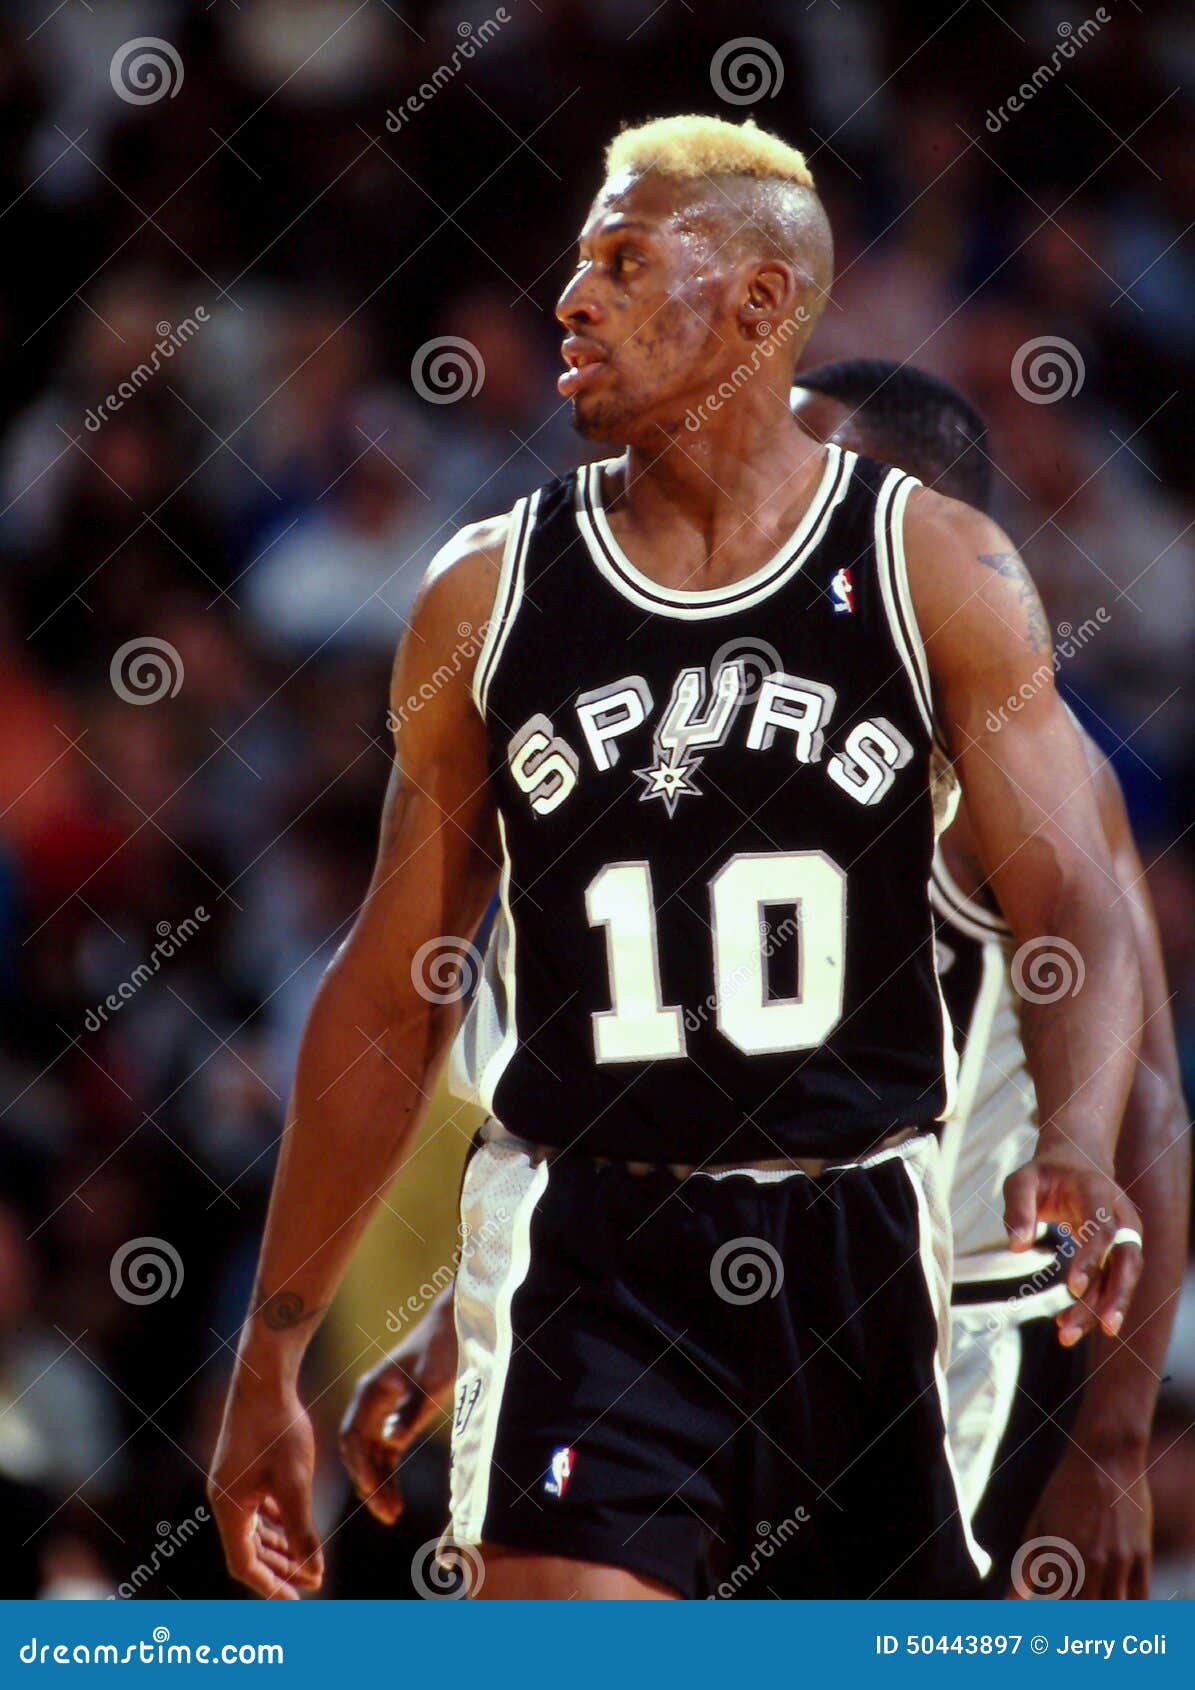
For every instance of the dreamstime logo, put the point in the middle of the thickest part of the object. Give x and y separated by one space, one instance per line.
447 369
469 40
1047 968
170 939
170 1538
769 1538
444 1570
1070 640
146 70
442 1278
471 640
445 969
741 978
745 70
1048 369
170 338
1071 39
145 1270
1070 1241
772 336
145 670
744 1270
1048 1569
757 659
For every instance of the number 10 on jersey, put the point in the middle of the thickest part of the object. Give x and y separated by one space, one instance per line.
640 1027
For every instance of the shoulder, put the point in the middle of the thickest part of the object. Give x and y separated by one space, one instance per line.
972 592
451 614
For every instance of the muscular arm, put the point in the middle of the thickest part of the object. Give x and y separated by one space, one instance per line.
1153 1164
1098 1498
369 1054
1041 848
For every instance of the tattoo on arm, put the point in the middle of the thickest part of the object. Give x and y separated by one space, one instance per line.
285 1311
1008 564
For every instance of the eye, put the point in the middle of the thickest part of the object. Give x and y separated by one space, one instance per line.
625 263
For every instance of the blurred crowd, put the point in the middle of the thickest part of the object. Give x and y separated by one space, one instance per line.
345 331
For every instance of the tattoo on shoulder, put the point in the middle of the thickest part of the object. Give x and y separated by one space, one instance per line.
1009 564
284 1311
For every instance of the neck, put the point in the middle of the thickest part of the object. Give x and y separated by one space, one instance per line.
753 455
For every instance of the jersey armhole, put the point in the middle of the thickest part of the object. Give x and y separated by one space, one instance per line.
507 598
891 501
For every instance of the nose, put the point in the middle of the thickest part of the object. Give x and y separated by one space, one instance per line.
578 307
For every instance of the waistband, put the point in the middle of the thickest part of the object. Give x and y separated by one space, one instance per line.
774 1167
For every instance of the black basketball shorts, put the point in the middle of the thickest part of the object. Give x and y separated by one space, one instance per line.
729 1380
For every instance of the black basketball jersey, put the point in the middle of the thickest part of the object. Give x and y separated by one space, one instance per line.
716 807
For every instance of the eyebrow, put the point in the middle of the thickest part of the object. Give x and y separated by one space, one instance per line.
619 228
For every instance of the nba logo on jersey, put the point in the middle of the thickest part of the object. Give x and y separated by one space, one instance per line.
842 593
560 1471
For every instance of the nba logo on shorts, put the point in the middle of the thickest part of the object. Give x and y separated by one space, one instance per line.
842 593
560 1471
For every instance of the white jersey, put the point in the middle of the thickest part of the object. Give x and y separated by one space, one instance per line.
993 1127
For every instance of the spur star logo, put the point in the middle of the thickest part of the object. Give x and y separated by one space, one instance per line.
668 777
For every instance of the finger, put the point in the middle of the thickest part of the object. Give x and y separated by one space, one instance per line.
1074 1323
355 1460
262 1579
385 1500
1020 1207
286 1570
1118 1284
293 1497
235 1523
1087 1262
269 1537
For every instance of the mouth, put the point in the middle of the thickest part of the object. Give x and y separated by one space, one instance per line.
585 361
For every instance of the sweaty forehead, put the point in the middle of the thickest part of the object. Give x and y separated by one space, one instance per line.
663 204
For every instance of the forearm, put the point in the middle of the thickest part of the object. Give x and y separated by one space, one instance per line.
1081 1047
360 1085
1153 1165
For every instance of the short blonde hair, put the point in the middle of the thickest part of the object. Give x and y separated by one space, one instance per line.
688 148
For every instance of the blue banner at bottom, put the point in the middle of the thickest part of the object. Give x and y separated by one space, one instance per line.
317 1643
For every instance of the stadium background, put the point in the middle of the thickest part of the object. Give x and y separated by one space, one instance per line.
262 504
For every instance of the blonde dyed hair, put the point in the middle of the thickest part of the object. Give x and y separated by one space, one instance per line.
689 148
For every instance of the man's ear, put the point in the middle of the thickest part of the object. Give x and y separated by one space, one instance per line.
772 295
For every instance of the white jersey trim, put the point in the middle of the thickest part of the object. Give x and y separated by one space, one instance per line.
507 598
696 604
953 904
975 1048
505 939
894 587
933 1248
485 1336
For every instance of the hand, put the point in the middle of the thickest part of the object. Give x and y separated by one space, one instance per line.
260 1492
1103 1507
391 1405
1053 1187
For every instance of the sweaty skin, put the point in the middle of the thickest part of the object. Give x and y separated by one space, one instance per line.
671 308
1098 1499
1099 1496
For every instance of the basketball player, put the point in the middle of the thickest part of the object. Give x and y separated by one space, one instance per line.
1028 1415
1014 1390
705 1264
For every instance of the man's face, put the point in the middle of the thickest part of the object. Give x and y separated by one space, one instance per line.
651 312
